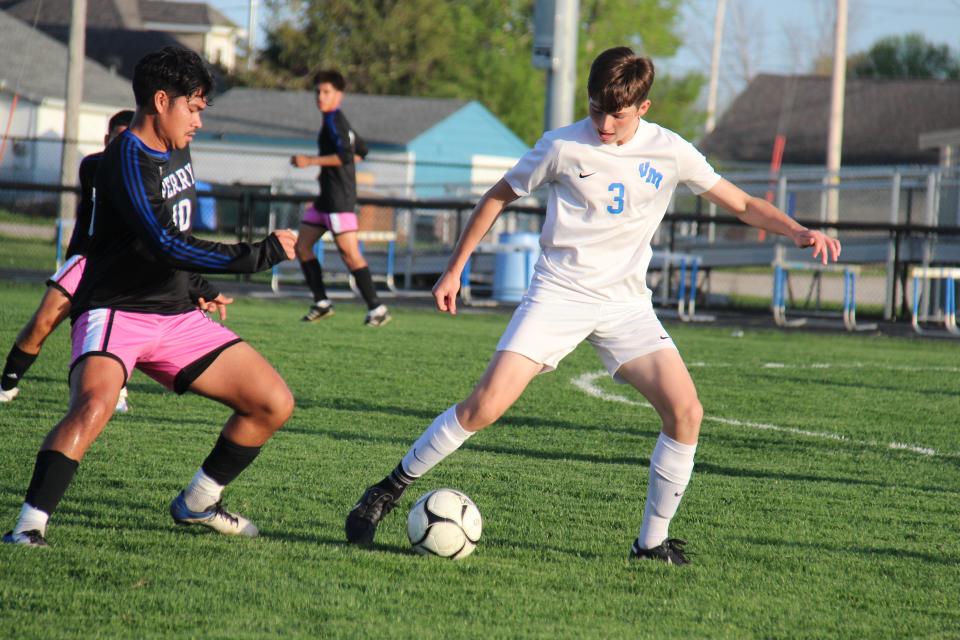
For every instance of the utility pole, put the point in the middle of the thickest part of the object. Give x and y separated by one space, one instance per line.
835 132
556 23
251 32
71 110
715 66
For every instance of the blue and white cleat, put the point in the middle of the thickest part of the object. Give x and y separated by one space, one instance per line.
215 517
32 538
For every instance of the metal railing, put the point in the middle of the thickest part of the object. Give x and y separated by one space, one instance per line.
425 230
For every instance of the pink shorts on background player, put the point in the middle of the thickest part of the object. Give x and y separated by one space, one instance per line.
68 275
337 223
162 346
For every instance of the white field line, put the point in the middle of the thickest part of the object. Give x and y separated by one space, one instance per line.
587 383
827 365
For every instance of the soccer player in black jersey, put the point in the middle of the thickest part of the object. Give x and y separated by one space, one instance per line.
333 209
136 306
55 304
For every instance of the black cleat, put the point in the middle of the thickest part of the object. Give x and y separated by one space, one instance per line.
318 311
669 551
362 521
32 538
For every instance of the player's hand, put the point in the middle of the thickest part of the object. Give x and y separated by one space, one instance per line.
288 239
824 247
300 161
218 305
445 292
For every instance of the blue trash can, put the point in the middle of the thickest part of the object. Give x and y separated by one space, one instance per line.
513 270
206 220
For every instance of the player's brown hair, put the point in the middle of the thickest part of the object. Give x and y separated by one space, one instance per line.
332 76
619 78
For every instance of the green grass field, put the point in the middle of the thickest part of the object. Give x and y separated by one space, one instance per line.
823 504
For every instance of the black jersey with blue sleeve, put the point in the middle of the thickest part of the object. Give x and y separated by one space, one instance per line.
141 254
338 185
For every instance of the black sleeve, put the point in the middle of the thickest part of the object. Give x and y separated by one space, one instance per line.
200 287
81 225
341 134
144 210
359 145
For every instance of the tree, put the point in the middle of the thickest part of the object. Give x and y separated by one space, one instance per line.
909 56
470 49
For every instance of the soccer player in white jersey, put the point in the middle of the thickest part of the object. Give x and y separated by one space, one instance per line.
609 178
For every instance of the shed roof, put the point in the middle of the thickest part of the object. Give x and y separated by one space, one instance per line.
883 119
271 113
37 65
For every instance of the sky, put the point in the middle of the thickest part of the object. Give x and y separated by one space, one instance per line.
768 36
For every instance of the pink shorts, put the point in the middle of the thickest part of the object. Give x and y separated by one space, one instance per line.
68 275
336 223
173 350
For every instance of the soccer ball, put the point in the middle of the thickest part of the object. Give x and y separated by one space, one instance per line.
444 523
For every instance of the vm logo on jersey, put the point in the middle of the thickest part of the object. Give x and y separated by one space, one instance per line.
652 175
178 181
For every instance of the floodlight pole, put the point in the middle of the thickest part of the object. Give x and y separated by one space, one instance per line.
715 66
555 49
71 109
835 132
251 31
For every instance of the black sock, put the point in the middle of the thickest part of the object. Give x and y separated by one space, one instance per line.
365 284
313 274
397 482
228 460
52 474
18 361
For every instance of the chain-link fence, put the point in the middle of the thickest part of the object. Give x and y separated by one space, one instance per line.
889 220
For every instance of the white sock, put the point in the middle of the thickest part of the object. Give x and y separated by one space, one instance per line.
670 468
203 492
441 438
32 518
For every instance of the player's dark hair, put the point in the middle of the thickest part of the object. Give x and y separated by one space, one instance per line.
120 119
619 78
333 77
176 70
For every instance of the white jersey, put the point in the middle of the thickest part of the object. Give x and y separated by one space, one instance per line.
605 203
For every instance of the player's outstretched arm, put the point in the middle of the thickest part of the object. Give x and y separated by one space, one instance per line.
759 213
137 194
301 161
482 218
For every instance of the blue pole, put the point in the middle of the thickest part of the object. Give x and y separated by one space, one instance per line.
951 297
465 275
59 242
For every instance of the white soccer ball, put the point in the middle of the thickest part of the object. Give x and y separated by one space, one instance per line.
444 523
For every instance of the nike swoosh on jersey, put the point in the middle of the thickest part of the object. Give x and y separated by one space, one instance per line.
586 175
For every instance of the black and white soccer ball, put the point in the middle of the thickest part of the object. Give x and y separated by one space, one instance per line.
444 523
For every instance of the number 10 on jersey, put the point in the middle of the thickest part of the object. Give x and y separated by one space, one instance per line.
617 189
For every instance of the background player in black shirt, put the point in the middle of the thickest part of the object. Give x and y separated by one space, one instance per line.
136 306
55 304
334 208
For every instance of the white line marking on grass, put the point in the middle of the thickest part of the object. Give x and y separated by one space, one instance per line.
826 365
587 383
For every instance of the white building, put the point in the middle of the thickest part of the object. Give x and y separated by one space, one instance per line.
33 72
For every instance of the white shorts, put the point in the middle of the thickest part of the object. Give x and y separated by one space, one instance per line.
547 329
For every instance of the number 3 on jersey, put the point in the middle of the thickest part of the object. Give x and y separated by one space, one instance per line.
617 206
